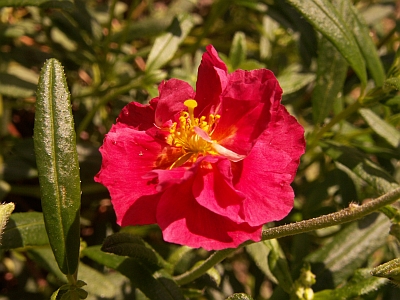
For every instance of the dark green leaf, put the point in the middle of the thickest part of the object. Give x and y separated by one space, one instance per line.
24 229
127 244
325 18
361 284
57 161
139 275
363 38
165 46
64 4
259 253
357 164
331 73
336 261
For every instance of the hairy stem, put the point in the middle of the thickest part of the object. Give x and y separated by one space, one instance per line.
351 213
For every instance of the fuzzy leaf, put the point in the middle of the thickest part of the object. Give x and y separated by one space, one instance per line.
331 74
324 17
57 162
24 229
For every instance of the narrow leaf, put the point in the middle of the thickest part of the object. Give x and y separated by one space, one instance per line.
5 211
361 284
165 46
324 17
359 165
126 244
238 52
139 275
331 74
389 270
65 4
24 229
336 261
364 41
57 162
382 128
239 296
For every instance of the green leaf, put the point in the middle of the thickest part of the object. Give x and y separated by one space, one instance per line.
335 262
14 86
57 162
361 284
24 229
270 258
259 253
389 270
331 74
365 43
64 4
291 79
392 83
382 128
238 52
324 17
356 163
5 188
240 296
138 274
97 283
126 244
165 46
5 211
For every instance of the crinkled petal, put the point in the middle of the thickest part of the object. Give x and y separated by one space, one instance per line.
212 189
267 172
128 155
212 79
184 221
247 104
138 116
170 101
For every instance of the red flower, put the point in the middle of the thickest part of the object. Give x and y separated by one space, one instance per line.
209 167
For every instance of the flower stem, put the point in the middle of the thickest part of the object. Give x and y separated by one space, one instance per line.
353 212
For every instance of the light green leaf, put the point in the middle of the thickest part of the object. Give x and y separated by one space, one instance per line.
239 296
291 79
259 253
392 83
24 229
331 74
64 4
361 284
238 52
165 46
57 162
382 128
325 18
5 211
335 262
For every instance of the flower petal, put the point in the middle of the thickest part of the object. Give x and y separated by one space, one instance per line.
247 104
170 101
212 189
211 81
184 221
138 116
128 155
267 172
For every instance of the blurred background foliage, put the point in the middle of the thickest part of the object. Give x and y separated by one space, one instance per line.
115 52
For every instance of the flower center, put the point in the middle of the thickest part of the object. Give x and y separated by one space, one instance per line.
186 134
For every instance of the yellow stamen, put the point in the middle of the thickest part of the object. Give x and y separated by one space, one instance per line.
191 104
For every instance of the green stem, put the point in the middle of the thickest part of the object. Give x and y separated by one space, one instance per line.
351 213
